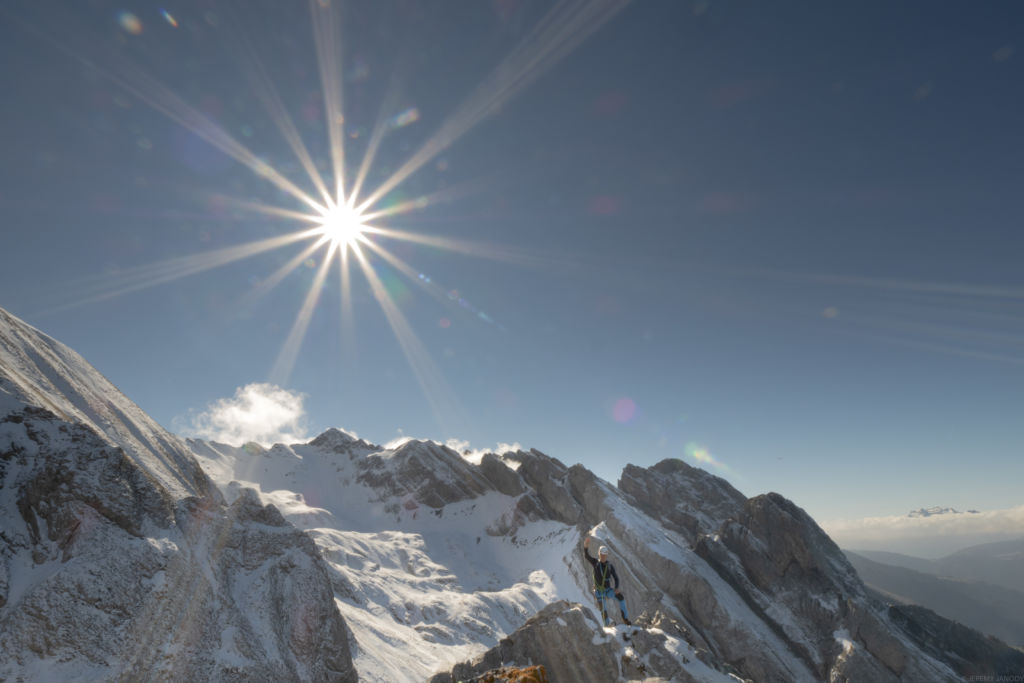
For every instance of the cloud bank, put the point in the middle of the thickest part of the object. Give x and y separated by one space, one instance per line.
264 413
927 536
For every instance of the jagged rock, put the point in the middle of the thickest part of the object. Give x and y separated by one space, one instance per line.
501 476
513 674
424 473
338 441
683 498
119 558
795 578
119 578
547 477
561 638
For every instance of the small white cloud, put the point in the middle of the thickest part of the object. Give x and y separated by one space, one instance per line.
460 446
934 535
264 413
476 455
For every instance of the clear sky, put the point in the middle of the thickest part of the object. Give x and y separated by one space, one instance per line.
782 241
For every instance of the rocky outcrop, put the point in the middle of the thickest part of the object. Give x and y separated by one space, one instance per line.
422 473
111 574
567 642
795 578
118 556
685 499
502 477
341 442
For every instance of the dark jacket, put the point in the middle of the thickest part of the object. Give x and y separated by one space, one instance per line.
603 572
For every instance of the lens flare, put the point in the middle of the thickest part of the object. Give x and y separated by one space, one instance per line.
703 457
130 23
624 410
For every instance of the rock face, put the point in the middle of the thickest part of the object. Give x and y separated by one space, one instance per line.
424 473
708 501
560 638
755 584
119 558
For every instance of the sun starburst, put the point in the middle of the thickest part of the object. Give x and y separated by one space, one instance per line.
342 226
335 221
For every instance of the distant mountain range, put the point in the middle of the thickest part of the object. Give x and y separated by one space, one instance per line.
997 610
933 511
1000 563
127 553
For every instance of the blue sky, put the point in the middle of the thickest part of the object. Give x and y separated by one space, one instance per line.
779 241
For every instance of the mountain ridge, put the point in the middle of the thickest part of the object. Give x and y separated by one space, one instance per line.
336 558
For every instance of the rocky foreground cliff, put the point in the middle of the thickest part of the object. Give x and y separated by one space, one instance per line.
129 554
120 560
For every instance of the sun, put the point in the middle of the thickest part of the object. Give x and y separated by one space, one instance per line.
342 226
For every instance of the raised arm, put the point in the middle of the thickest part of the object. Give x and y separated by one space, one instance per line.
586 552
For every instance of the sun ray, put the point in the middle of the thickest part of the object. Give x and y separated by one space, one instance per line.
281 273
916 286
167 102
432 383
82 48
467 247
143 277
265 209
262 85
338 222
285 363
564 27
403 268
326 37
380 127
948 350
423 201
348 337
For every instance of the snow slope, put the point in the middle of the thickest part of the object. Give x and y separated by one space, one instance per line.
40 371
421 588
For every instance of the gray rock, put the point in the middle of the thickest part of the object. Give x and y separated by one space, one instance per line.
501 476
683 498
561 638
121 579
423 473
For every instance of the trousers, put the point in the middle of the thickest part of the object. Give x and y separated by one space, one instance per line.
603 594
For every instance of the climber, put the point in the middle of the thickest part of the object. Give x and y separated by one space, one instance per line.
604 573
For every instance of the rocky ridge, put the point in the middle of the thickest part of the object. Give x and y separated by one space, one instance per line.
119 558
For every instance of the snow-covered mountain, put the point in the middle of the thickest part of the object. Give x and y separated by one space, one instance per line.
938 510
119 558
129 553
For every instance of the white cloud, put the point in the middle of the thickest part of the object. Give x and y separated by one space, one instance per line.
460 446
264 413
475 455
927 536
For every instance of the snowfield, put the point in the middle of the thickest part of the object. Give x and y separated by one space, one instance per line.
421 589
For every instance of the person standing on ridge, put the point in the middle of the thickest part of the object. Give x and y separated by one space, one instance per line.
604 574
